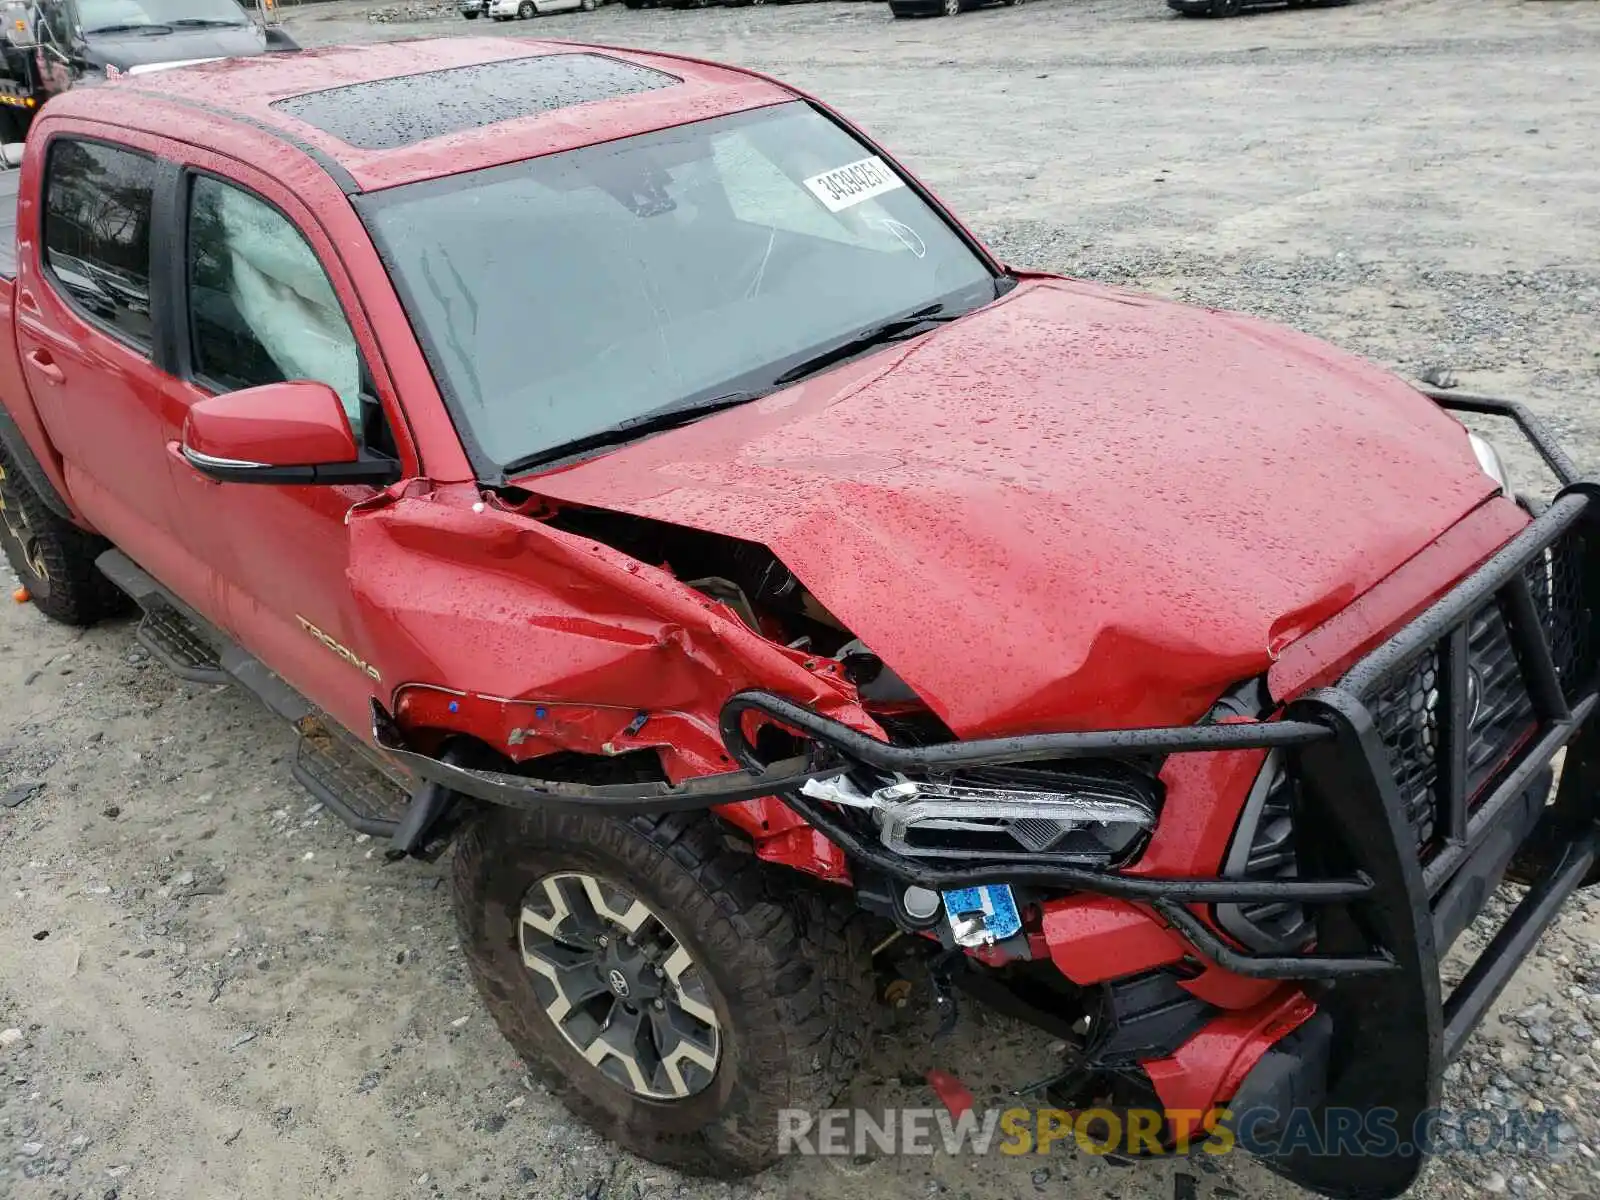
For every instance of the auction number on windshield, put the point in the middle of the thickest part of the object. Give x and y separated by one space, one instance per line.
852 183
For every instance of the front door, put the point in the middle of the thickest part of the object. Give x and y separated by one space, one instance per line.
260 305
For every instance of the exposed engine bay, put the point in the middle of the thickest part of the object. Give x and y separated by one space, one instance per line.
1072 811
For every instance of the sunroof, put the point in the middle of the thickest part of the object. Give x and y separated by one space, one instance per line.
387 113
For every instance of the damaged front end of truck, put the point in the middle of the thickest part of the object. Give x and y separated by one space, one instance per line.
1380 785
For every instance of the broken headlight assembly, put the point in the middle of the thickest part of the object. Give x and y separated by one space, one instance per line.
1085 814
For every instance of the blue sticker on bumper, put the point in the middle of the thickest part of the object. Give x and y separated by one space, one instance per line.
993 905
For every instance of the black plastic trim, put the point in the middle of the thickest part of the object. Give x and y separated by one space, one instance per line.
330 166
1488 976
22 458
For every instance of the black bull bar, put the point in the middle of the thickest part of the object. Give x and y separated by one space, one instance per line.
1386 906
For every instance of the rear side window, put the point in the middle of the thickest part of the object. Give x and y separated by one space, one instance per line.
97 233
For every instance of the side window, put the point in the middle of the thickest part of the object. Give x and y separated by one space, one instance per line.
97 233
261 308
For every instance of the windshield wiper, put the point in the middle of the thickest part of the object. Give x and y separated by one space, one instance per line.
889 331
207 23
631 429
144 28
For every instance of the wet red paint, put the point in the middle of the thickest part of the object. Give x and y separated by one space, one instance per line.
1074 509
705 90
1208 1069
281 424
1077 508
1095 938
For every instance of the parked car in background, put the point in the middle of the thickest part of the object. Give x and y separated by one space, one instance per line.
473 9
48 46
1232 8
940 8
521 10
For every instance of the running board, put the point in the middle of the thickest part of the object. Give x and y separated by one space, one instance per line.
354 782
175 642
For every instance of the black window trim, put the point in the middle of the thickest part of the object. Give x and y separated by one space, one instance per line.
176 284
159 250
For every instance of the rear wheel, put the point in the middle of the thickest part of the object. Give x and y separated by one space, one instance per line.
950 8
471 16
658 982
1225 8
53 558
525 10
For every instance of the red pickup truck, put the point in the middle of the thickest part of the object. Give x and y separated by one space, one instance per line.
626 475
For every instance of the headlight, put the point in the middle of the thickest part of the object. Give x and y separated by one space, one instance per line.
1489 459
1098 818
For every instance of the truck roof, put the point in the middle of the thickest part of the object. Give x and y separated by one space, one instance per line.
392 113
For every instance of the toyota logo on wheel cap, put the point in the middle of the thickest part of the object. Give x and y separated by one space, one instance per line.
618 982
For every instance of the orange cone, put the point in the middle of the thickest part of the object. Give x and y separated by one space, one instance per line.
21 595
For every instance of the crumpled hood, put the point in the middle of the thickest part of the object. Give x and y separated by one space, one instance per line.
1076 508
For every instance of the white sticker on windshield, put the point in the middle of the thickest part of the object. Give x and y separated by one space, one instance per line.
854 182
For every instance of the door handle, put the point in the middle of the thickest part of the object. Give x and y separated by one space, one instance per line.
41 362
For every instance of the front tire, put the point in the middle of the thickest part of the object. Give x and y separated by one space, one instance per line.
745 999
53 558
1225 8
471 16
950 8
525 10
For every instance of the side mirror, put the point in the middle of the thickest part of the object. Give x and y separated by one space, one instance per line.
279 433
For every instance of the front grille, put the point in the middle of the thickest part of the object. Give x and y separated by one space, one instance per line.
1406 710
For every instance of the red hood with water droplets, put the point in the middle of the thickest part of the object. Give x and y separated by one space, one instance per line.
1075 508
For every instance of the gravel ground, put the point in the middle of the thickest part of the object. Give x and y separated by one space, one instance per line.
210 988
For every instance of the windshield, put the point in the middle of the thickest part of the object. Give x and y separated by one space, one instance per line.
97 15
562 296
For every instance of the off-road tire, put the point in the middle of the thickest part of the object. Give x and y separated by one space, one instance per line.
789 975
70 588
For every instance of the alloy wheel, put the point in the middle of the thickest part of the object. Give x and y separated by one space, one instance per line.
17 527
620 986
